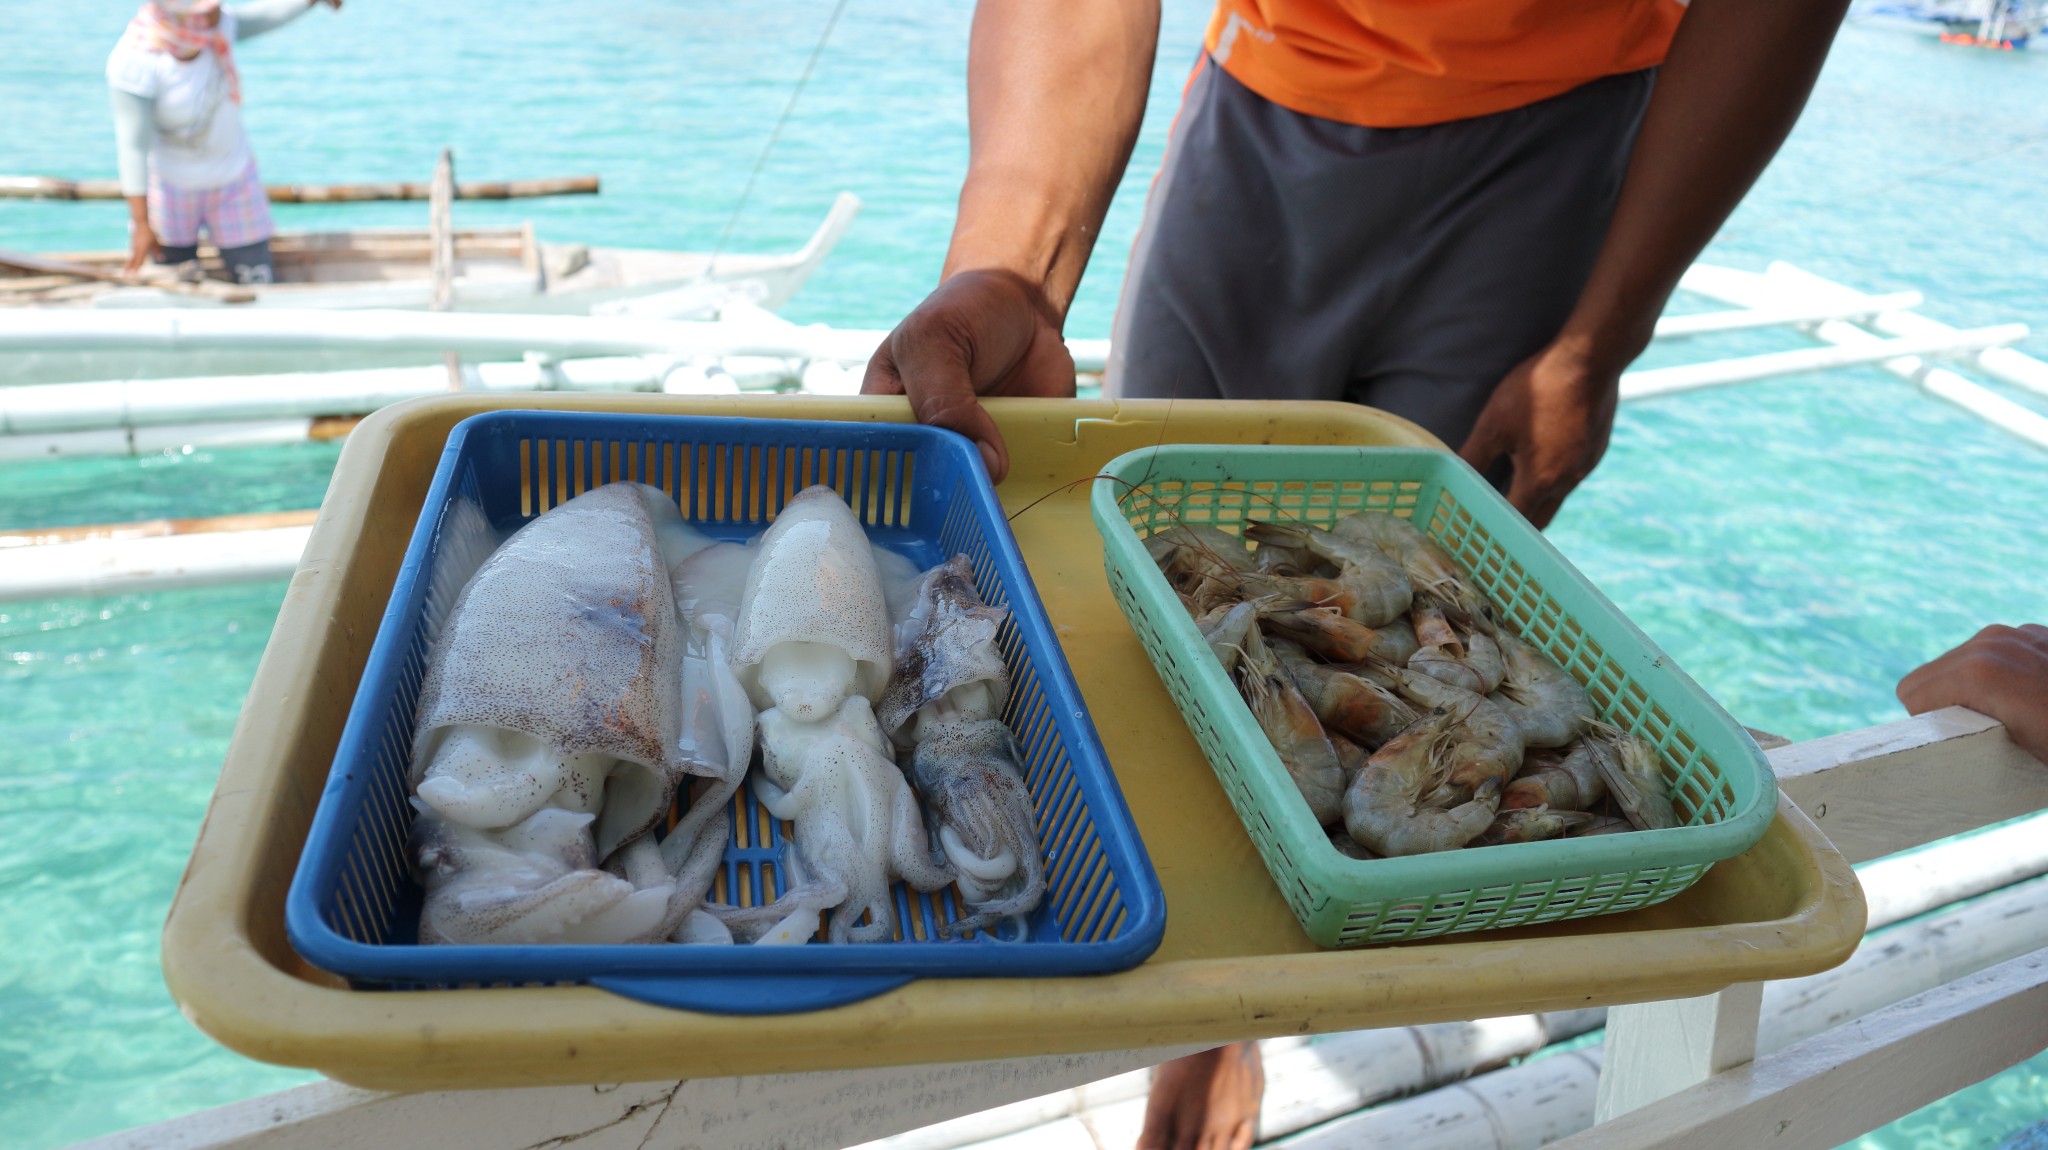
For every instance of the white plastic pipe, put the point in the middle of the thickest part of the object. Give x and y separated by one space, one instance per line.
1520 1108
58 407
2007 364
1904 885
1692 376
1785 285
1944 384
150 440
1906 960
1780 315
121 566
1308 1081
466 333
742 332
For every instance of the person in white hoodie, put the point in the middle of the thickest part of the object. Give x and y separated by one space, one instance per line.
184 158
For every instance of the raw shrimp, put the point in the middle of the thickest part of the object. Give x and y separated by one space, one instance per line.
1482 745
967 770
1549 706
1290 725
1312 589
1561 780
1189 551
1474 664
1350 757
1277 558
1324 630
1435 576
1604 825
1385 809
1349 847
1225 629
1635 776
1532 824
1379 590
946 650
1346 703
1397 642
1433 629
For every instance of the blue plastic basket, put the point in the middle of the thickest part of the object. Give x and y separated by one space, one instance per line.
354 907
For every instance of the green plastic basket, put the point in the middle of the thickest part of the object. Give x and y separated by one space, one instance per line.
1721 782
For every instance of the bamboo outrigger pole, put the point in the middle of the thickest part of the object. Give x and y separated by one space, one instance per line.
44 266
47 188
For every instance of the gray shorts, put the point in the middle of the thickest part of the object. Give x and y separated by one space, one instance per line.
1285 256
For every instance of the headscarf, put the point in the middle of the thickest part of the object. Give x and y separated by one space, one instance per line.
173 26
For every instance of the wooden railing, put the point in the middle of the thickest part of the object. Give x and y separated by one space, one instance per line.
1674 1074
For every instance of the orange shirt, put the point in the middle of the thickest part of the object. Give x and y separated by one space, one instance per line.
1400 63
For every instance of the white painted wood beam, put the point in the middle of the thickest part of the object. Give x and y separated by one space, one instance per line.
1843 1083
1656 1049
1883 789
768 1112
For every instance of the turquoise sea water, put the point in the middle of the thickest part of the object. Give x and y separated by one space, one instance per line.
1796 545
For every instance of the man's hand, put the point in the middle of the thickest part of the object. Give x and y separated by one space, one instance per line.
1551 416
2001 672
1727 94
1206 1101
981 333
141 244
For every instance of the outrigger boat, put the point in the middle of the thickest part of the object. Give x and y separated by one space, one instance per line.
506 269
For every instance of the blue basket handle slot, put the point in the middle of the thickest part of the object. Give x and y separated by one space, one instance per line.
748 994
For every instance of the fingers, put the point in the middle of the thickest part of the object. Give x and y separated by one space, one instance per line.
1928 687
1490 438
944 398
1979 672
1951 679
881 377
1537 499
934 371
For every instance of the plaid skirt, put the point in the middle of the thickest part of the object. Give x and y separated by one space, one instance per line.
234 214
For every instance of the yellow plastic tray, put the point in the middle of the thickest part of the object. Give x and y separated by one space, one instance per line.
1234 963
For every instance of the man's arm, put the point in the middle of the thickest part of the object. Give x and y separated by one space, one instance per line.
260 16
1736 77
1055 94
133 126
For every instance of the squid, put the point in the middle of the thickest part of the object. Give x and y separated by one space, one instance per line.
553 682
811 652
945 649
533 882
857 825
946 699
813 621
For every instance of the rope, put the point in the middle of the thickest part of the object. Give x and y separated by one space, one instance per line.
762 160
